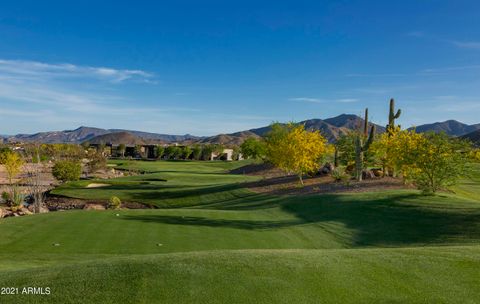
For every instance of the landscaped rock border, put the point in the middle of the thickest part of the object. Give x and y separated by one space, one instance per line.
55 203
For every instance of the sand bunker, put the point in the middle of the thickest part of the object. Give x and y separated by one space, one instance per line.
94 185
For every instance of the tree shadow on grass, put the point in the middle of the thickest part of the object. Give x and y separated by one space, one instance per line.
203 221
388 220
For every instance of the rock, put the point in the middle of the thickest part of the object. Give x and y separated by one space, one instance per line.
25 211
327 169
377 172
3 212
368 174
94 207
43 209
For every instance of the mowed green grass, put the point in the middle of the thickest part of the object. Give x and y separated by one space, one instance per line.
416 275
171 184
232 245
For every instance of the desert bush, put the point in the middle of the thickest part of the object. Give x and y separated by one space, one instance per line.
17 199
114 202
5 197
339 175
96 161
66 170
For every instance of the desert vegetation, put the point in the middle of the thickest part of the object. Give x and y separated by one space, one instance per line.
385 209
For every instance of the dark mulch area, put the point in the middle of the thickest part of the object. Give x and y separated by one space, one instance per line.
54 203
266 170
290 185
276 182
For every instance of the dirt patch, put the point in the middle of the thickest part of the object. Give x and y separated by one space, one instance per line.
97 185
289 185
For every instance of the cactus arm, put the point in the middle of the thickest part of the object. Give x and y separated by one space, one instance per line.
399 112
365 126
370 139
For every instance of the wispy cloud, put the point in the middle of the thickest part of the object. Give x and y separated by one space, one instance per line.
35 94
347 100
25 68
467 44
450 69
307 99
360 75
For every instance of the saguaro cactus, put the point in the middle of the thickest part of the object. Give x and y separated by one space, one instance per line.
390 131
362 144
392 116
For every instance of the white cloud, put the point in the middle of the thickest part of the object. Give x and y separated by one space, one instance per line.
467 44
347 100
307 99
25 68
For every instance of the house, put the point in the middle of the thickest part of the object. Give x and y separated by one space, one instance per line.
227 154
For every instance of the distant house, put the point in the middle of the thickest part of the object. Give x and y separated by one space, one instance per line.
226 154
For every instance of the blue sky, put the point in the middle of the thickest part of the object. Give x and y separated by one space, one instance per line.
204 67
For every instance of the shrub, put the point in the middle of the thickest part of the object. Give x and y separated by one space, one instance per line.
17 199
67 170
339 175
6 197
96 161
114 203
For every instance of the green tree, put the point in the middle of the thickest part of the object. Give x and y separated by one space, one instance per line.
197 152
346 148
170 152
67 170
439 162
207 152
253 148
159 151
187 152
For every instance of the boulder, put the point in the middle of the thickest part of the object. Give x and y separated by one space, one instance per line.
3 212
327 168
43 209
25 211
94 207
378 172
368 174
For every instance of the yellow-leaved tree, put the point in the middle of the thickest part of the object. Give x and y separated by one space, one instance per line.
396 150
295 150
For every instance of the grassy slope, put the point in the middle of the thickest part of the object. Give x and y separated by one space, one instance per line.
417 275
120 256
167 184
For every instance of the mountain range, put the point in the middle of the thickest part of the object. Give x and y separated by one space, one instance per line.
331 128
